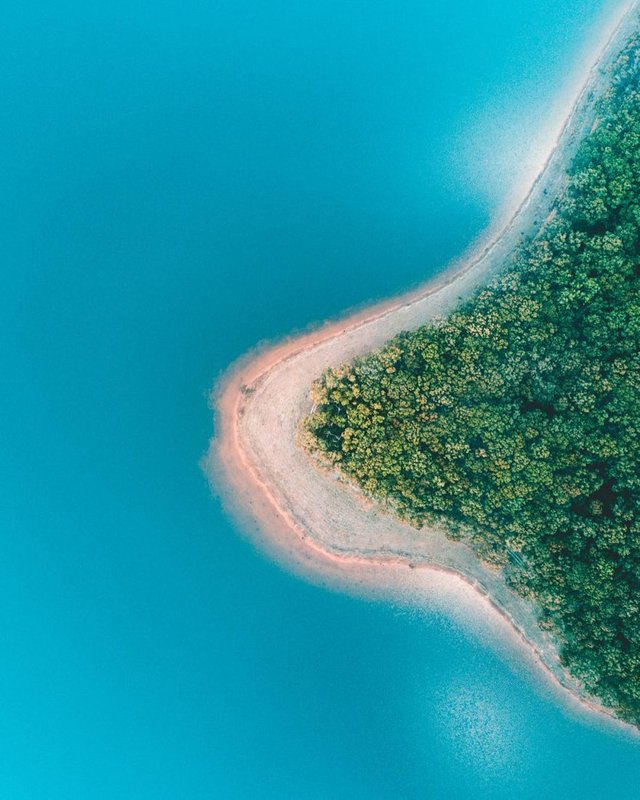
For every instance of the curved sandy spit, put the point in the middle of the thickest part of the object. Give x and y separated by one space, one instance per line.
316 524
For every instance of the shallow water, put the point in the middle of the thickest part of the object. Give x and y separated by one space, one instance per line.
182 181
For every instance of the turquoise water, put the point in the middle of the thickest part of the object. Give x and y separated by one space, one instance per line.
182 180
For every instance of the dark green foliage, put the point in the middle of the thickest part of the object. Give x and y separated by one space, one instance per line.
516 421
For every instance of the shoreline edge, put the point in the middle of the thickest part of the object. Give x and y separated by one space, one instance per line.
316 525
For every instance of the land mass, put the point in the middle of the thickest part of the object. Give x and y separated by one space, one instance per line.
314 517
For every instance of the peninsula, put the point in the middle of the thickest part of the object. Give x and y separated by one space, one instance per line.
446 451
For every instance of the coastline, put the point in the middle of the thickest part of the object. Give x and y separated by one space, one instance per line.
314 522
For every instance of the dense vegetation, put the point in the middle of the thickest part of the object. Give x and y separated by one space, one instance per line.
516 421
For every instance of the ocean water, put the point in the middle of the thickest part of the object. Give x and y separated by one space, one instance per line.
181 180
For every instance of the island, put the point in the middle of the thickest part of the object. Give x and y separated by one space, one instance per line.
486 427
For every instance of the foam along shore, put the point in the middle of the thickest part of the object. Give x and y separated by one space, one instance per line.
318 525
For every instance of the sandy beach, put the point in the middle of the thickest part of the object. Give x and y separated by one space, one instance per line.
313 522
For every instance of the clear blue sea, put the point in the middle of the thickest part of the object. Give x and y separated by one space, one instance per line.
179 181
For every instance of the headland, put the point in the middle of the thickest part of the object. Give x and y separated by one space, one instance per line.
310 519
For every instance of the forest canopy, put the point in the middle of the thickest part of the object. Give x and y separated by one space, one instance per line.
515 421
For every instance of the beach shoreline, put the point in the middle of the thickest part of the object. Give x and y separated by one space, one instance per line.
311 520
